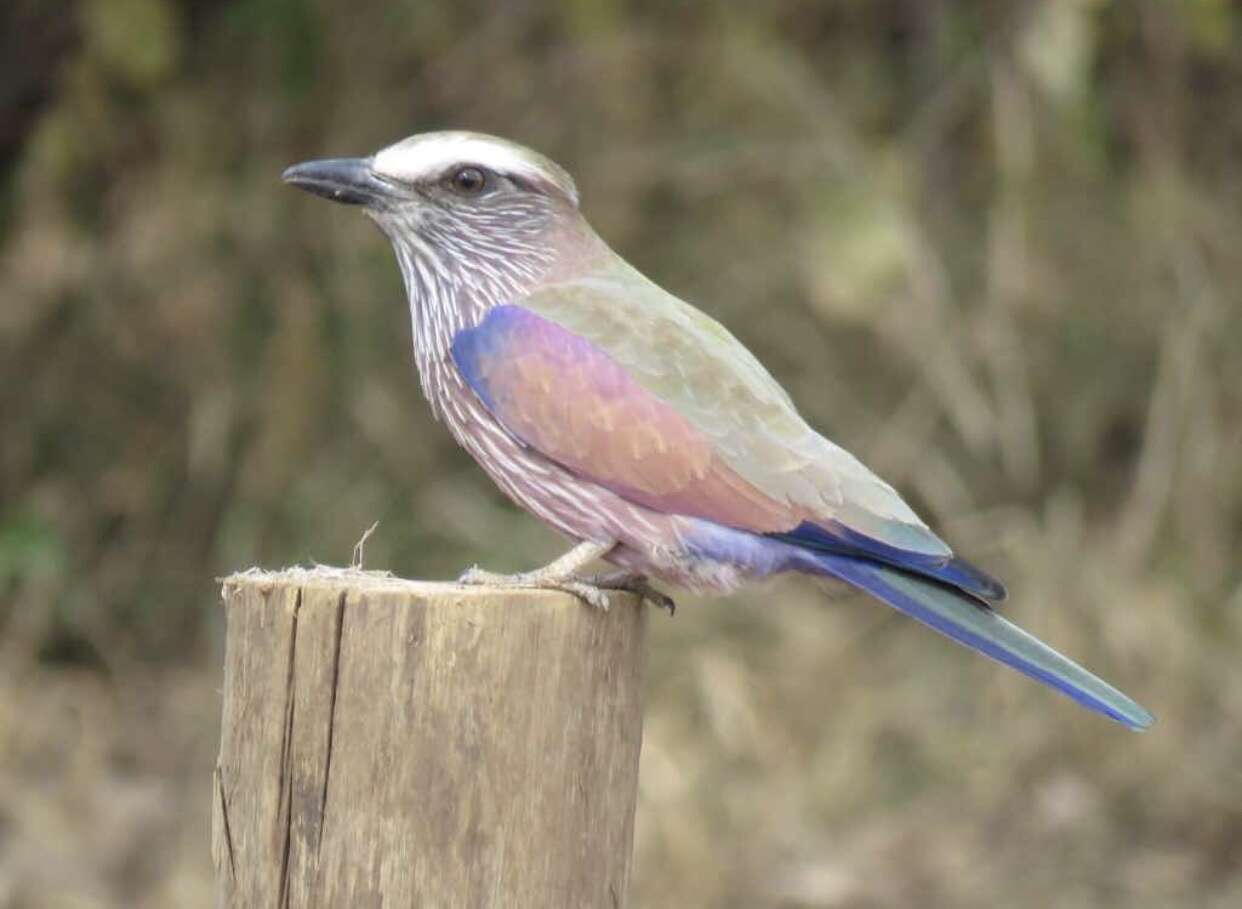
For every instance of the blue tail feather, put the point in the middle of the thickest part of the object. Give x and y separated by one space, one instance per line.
834 537
968 621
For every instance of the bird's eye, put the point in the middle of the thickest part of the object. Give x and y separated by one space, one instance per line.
469 181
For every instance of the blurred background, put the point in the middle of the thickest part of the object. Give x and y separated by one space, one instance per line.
992 248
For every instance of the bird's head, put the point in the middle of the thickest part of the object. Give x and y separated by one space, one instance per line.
456 203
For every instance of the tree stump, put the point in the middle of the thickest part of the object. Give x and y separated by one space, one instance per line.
398 743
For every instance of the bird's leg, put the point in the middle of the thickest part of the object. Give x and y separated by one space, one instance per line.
635 582
562 574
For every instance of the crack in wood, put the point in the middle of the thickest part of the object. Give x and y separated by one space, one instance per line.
285 778
339 633
224 822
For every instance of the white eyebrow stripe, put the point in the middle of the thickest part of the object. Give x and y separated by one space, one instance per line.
429 156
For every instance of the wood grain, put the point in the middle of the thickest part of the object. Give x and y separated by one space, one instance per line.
394 743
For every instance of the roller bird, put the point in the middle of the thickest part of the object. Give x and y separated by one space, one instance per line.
632 422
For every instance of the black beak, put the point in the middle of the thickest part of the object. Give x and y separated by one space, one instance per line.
348 180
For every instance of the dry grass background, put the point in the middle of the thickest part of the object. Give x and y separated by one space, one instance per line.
992 248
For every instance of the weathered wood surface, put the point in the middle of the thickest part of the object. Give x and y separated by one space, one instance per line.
394 743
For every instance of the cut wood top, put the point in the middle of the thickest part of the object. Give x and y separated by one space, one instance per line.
333 577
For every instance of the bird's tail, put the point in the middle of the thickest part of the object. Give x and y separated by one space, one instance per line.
971 622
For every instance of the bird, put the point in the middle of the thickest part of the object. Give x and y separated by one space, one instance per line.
632 422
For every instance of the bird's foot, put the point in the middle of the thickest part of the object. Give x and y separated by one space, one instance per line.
635 582
589 593
561 574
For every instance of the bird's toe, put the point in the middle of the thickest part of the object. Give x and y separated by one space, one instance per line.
636 583
477 577
588 593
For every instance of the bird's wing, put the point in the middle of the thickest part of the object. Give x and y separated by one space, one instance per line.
626 384
564 396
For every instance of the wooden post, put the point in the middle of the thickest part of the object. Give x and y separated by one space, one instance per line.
404 744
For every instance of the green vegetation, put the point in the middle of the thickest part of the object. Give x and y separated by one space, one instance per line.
992 248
